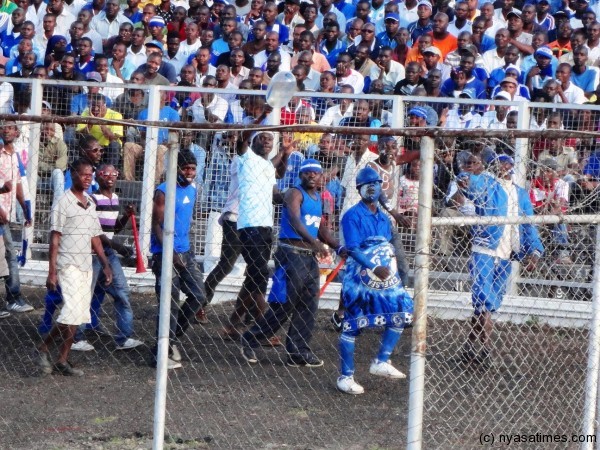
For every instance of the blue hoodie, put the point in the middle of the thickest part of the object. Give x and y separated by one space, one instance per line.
490 200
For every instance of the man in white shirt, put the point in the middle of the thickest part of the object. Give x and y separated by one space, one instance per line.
346 75
35 12
136 52
64 18
272 45
209 107
566 91
174 55
192 42
387 70
107 23
335 114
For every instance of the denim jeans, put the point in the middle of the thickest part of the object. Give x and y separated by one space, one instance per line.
118 290
12 283
188 280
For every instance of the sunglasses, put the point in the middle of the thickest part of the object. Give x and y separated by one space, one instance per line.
114 174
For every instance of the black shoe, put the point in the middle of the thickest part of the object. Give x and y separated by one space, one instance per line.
306 360
248 354
484 359
68 370
336 321
468 354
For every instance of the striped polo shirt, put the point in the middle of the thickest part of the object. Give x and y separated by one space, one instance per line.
108 212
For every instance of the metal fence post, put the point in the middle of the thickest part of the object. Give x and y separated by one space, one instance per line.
591 406
37 91
148 183
166 279
419 334
520 178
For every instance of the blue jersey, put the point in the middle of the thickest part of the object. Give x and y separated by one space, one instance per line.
311 212
185 197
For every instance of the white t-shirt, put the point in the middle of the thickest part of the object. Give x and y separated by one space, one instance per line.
256 177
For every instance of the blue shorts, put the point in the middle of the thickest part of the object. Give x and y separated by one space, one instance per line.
490 277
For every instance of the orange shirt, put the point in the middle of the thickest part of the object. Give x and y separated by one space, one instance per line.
414 55
446 45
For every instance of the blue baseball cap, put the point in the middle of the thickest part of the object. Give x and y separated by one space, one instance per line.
311 165
393 16
156 44
418 111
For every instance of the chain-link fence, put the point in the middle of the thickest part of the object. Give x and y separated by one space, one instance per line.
536 382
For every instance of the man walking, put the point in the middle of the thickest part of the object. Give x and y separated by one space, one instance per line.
74 226
187 276
295 291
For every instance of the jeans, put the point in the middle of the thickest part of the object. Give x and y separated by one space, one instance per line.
302 300
187 279
12 283
231 247
118 289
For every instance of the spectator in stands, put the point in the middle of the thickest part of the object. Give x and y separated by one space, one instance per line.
541 71
408 194
136 52
72 224
549 194
151 70
431 61
388 37
52 160
401 50
119 65
331 46
209 107
187 276
457 204
105 77
495 58
132 101
412 80
482 41
108 136
79 102
566 91
387 70
133 151
85 16
61 95
583 76
494 193
335 114
259 29
562 45
415 54
272 46
424 25
517 36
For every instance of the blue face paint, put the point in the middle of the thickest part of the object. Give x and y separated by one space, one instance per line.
373 195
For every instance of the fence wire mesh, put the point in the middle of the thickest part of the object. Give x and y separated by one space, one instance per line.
540 338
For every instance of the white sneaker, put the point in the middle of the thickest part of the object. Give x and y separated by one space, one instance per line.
385 369
82 346
173 364
349 386
129 344
19 307
175 355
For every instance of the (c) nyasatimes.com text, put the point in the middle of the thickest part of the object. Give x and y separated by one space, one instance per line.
537 438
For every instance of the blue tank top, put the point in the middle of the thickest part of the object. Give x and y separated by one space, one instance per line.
185 198
311 212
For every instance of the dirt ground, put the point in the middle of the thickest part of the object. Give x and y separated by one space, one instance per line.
218 401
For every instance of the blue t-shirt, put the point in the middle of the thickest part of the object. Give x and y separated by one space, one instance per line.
166 114
585 81
592 168
359 224
311 211
185 198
